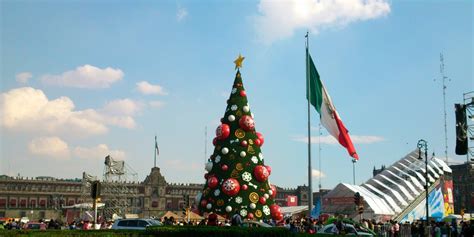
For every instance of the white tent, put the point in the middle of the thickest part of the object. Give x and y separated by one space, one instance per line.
84 206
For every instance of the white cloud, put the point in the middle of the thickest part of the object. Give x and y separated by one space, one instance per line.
328 139
156 104
122 107
98 152
316 173
280 19
181 14
52 147
86 76
148 89
23 77
28 109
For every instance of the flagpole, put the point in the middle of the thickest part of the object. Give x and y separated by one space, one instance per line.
310 183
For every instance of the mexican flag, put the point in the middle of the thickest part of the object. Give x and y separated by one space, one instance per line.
330 119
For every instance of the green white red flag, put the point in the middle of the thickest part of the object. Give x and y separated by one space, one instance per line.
330 119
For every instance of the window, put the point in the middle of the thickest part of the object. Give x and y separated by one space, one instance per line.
132 223
142 223
123 223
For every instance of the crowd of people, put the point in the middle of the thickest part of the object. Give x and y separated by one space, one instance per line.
295 225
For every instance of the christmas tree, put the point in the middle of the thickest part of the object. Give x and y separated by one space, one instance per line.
237 178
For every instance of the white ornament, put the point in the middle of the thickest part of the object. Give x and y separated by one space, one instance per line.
260 155
243 154
234 90
217 192
253 185
246 176
266 210
270 192
217 159
254 159
252 206
266 196
243 212
238 200
228 208
209 206
251 114
231 118
225 150
233 107
209 166
246 109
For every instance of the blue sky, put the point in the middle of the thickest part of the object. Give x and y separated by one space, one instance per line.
84 79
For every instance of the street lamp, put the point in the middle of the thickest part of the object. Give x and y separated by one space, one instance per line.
424 144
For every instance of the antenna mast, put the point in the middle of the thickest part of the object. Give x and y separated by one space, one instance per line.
205 144
444 77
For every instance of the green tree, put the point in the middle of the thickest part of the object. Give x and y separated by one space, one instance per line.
237 178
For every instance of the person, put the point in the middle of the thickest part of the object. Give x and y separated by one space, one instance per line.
236 220
212 219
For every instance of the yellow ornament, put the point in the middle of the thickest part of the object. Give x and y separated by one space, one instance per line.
239 133
258 213
234 174
253 197
238 61
239 166
220 202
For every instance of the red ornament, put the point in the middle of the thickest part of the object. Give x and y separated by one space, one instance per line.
262 200
246 122
260 137
274 191
212 182
203 203
214 141
278 217
230 187
269 169
250 216
242 93
223 131
261 173
244 143
274 209
245 187
224 167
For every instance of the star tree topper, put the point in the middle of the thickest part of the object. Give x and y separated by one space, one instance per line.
238 61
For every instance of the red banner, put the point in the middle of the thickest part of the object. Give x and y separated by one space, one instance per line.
291 201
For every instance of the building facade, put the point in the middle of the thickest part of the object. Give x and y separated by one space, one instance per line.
53 198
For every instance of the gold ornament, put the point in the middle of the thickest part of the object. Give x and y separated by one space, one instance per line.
234 174
250 141
253 197
239 166
238 113
239 133
250 149
238 61
258 213
220 202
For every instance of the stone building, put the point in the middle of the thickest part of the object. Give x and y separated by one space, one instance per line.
53 198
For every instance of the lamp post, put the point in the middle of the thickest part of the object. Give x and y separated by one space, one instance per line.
424 144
